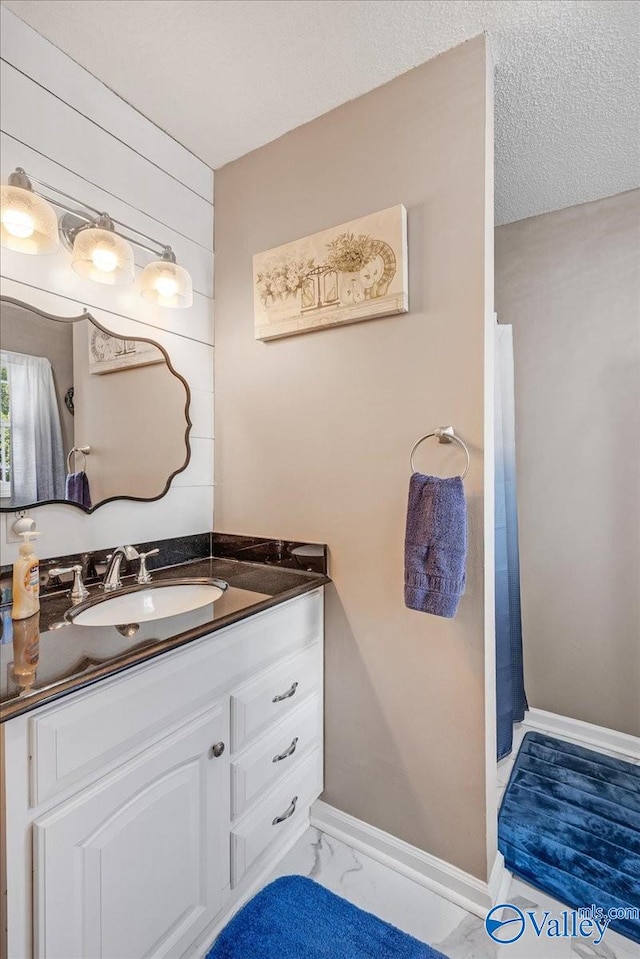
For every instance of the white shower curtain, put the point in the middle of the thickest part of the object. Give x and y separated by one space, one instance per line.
37 455
510 693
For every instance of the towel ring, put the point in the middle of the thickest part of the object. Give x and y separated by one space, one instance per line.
82 450
445 434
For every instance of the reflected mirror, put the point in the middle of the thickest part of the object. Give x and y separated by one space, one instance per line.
86 416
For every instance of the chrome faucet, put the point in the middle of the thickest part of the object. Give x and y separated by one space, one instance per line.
111 579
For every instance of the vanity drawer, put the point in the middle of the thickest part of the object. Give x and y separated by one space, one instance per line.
273 695
274 755
276 816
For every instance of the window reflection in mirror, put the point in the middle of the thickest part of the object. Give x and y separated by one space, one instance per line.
67 385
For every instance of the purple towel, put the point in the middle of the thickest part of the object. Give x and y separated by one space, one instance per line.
77 489
435 546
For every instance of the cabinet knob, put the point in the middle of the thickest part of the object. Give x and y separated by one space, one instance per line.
217 749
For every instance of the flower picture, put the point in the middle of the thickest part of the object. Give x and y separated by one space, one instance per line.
349 253
356 271
283 277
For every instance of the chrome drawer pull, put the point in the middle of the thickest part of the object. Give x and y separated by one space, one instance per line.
285 815
289 693
289 751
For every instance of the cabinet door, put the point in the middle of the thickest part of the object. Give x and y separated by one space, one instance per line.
136 865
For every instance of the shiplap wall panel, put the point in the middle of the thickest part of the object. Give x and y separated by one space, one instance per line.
54 273
38 118
37 58
13 153
202 413
154 185
199 472
191 359
66 529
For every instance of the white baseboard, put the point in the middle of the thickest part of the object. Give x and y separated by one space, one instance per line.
598 737
499 881
435 874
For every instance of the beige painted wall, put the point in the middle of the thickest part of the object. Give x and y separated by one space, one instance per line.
313 434
569 282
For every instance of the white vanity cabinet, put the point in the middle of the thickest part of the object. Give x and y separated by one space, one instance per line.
136 864
142 811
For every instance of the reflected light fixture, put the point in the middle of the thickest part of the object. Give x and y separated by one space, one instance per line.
29 223
101 254
165 283
100 250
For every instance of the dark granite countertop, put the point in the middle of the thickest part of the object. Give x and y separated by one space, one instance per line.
67 658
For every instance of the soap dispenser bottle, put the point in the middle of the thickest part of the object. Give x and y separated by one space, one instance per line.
26 652
26 580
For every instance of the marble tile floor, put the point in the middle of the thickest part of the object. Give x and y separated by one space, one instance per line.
429 917
452 930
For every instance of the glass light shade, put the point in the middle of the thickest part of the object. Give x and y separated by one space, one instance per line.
103 256
29 223
167 284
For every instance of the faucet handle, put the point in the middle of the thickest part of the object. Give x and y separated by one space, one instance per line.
79 591
144 576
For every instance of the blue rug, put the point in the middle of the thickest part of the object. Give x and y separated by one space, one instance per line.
295 918
569 825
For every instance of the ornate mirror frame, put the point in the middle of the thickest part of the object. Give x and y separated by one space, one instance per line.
86 315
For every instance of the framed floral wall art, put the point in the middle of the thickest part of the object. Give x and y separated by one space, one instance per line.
356 271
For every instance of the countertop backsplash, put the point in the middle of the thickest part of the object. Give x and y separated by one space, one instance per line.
309 557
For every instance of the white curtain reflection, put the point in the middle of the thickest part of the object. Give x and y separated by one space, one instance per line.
37 455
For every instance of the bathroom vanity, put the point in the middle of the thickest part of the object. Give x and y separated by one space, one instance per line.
152 781
154 767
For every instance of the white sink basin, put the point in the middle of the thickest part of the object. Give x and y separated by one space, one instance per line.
141 604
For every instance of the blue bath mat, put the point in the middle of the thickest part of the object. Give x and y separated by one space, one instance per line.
295 918
569 824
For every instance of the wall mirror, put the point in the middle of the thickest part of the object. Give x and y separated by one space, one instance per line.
86 416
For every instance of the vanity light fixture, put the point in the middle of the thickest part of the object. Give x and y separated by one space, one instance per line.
100 254
165 283
29 223
101 251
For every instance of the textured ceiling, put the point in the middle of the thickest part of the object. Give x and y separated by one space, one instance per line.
225 76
